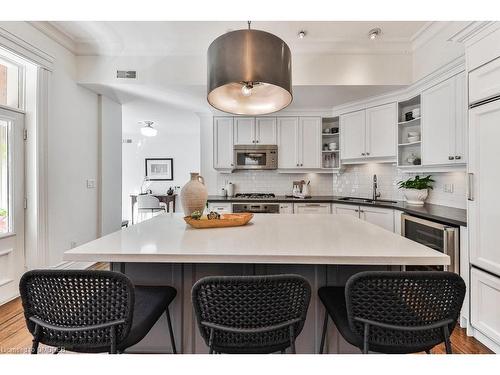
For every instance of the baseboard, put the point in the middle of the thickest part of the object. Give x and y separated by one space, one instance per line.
486 341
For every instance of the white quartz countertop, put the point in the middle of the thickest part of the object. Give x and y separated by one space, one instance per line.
286 239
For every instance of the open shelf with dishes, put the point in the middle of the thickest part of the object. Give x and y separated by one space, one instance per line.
409 132
330 143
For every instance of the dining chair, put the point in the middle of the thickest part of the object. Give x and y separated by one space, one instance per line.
395 312
147 203
91 311
251 314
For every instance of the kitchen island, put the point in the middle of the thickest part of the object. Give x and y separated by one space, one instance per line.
326 249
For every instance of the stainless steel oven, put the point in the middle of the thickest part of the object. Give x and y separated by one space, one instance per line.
257 208
437 236
256 156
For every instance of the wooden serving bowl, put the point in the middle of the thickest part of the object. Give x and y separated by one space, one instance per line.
226 220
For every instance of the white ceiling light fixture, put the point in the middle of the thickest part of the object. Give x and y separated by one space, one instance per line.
249 73
302 34
147 130
374 33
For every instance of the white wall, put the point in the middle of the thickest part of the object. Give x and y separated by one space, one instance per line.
110 187
178 138
72 148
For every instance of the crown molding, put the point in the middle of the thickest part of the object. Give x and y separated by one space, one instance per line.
426 33
56 35
470 32
25 49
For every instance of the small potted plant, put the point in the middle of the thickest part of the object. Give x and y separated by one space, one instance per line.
415 190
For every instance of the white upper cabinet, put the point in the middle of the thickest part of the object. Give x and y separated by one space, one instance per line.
483 207
352 135
288 129
223 143
251 130
299 142
244 130
443 122
265 130
484 82
310 142
369 133
381 126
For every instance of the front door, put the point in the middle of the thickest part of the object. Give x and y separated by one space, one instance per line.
11 203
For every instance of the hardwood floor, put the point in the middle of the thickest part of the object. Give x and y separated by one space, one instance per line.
15 338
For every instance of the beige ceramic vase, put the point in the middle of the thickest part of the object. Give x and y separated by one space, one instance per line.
194 195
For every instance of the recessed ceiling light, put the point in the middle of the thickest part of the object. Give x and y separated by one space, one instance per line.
374 33
302 34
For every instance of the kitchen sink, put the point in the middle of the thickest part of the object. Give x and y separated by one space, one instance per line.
367 200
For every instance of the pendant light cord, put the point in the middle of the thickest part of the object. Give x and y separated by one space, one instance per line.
249 22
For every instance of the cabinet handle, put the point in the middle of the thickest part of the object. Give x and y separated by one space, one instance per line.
301 165
256 141
232 165
363 154
297 165
458 157
451 157
356 210
470 186
313 205
367 153
362 211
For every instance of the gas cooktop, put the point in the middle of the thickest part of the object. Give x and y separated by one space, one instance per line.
255 195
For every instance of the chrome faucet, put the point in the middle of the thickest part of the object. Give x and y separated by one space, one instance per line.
375 185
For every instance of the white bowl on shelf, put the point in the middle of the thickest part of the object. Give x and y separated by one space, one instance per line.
413 139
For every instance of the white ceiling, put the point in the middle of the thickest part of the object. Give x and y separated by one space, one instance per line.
126 38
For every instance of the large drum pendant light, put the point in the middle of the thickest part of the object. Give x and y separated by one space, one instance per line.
249 73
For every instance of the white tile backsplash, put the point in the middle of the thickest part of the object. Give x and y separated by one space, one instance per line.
274 182
357 180
354 181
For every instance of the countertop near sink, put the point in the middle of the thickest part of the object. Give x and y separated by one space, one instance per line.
444 214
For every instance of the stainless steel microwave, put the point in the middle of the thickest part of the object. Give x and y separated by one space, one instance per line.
255 157
442 238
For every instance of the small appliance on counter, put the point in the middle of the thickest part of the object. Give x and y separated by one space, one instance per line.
301 189
230 189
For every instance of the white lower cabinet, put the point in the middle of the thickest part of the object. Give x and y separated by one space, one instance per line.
485 304
286 208
345 209
383 217
311 208
221 208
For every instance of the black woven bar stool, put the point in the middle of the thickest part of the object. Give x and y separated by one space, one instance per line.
251 314
395 312
91 311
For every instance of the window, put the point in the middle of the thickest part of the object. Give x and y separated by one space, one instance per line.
4 178
10 74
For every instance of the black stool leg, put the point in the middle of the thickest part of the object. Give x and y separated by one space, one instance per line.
36 340
323 335
447 342
170 331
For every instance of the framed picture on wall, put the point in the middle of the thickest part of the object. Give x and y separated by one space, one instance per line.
160 169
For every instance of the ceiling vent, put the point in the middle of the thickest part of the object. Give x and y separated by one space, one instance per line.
131 74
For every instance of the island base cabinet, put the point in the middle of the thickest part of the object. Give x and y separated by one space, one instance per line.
485 304
183 276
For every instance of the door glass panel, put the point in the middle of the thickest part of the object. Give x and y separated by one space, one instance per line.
9 84
4 178
251 158
426 235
